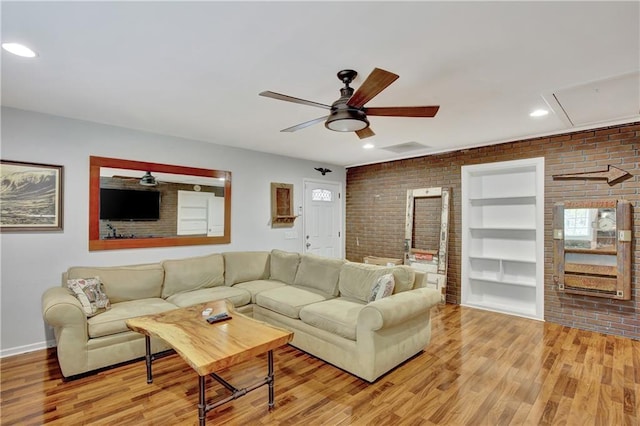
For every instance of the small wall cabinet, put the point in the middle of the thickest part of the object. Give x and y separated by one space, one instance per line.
282 205
503 237
592 248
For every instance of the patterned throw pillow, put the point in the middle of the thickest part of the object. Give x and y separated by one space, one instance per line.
90 293
383 287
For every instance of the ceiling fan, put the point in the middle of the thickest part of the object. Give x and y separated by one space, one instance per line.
146 180
348 114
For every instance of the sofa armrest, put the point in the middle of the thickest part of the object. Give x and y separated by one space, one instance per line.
62 311
60 308
397 308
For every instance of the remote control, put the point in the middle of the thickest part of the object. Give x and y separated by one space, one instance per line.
218 317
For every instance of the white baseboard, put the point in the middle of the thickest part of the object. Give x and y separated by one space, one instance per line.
27 348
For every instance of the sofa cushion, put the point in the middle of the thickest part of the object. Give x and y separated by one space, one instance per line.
245 266
338 316
284 265
404 277
113 320
237 296
358 279
288 300
320 273
192 273
124 283
257 286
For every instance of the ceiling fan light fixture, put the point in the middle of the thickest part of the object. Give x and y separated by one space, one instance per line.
148 180
347 120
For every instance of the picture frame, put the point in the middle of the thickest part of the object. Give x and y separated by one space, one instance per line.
31 197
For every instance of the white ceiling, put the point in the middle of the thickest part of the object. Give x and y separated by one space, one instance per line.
194 69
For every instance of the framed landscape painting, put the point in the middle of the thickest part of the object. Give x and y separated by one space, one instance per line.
30 197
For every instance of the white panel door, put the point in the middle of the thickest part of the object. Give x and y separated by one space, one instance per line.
323 219
215 220
200 213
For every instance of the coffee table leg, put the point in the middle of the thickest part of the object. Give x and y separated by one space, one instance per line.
147 344
270 377
202 405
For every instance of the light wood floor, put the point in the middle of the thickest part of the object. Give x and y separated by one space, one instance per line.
481 368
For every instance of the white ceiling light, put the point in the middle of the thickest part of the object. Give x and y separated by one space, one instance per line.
368 146
539 113
19 49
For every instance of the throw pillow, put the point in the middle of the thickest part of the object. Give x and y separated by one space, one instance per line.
90 293
383 287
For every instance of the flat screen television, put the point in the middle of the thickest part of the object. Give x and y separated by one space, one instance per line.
129 204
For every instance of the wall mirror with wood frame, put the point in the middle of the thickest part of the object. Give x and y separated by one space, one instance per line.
136 204
592 248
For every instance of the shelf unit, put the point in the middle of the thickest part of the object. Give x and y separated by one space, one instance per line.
503 237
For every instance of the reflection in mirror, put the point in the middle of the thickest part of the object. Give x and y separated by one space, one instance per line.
590 228
139 204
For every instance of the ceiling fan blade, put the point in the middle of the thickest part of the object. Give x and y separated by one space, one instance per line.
281 97
305 124
408 111
365 133
375 83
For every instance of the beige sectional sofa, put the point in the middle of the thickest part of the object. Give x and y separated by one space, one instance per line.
323 301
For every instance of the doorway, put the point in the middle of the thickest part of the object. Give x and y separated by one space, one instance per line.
322 219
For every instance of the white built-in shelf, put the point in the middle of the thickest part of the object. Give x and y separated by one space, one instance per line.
503 281
503 237
501 228
505 308
503 259
504 200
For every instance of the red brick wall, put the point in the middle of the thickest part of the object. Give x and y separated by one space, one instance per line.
376 196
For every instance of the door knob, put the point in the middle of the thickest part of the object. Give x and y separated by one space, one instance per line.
308 245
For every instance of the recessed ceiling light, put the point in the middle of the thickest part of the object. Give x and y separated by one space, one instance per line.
539 113
368 146
19 49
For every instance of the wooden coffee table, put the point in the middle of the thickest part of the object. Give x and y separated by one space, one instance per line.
208 348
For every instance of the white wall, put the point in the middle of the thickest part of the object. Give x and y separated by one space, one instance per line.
32 262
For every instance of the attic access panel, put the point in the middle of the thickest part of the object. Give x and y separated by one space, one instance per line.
614 98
